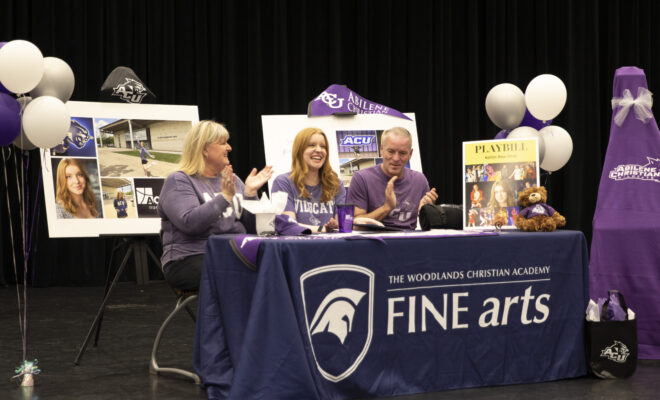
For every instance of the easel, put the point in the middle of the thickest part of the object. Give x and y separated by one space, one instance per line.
138 247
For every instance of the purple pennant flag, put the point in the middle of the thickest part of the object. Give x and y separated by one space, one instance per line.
340 100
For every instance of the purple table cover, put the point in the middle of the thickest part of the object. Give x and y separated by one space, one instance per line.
625 250
513 307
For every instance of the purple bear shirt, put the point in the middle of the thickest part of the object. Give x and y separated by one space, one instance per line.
537 209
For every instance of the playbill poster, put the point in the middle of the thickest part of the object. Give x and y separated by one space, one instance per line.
494 172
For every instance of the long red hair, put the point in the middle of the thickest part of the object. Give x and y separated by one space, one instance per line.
329 179
64 197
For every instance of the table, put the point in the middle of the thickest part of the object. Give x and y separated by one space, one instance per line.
337 319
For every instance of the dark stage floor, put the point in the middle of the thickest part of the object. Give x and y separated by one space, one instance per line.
118 368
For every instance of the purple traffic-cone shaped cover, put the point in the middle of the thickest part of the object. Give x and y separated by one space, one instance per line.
626 224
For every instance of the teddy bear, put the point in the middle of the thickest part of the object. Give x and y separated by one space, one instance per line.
537 216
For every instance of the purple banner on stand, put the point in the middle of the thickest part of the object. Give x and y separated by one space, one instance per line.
340 100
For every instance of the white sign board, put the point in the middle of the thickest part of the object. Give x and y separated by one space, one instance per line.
354 141
100 159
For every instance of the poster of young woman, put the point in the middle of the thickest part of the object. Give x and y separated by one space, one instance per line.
105 176
494 172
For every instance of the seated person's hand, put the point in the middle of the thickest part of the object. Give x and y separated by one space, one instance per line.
331 225
256 180
366 221
390 196
429 198
227 183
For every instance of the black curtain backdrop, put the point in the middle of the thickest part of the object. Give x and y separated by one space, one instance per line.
238 60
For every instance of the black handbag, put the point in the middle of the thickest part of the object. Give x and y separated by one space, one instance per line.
612 345
441 216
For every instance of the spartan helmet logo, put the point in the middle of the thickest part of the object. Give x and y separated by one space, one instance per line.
335 314
338 303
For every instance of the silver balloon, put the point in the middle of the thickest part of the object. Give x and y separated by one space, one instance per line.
46 121
57 81
525 132
22 142
558 147
505 105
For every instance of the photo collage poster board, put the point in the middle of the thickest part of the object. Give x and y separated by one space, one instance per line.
494 172
101 158
354 141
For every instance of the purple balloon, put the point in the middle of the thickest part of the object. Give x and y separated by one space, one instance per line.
3 89
529 120
502 134
10 119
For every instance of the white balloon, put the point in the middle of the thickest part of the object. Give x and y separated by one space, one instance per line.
545 97
21 66
558 147
46 121
525 132
505 105
57 80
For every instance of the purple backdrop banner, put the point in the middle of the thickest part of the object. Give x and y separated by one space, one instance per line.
340 100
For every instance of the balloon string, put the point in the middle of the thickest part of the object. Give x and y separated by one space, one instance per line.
547 179
11 237
26 165
36 232
23 206
33 219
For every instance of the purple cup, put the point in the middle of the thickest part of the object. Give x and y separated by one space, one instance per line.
345 217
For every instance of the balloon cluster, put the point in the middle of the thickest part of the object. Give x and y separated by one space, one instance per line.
530 115
43 115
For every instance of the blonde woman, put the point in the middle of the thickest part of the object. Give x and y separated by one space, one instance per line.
197 201
120 205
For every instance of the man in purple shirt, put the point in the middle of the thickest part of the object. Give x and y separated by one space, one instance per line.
390 192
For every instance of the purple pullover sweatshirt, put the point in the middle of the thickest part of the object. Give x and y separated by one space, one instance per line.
192 208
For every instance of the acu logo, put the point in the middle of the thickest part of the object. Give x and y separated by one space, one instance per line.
331 99
130 91
357 140
618 352
145 195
